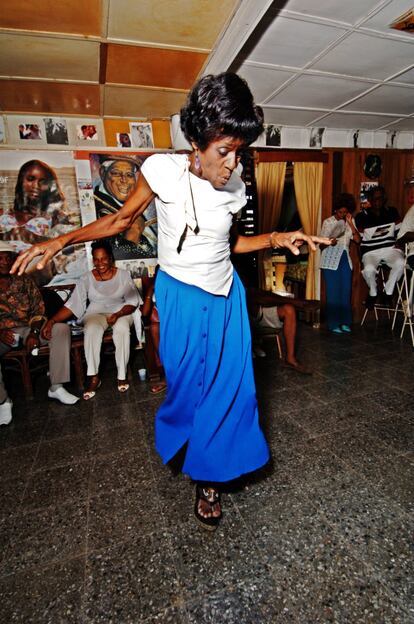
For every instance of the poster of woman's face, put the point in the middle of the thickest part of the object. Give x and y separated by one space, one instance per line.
113 179
141 135
38 199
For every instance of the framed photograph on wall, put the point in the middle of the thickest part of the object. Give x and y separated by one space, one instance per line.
273 135
56 130
123 139
141 134
2 131
315 139
87 132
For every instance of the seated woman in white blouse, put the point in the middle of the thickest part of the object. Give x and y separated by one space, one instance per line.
104 297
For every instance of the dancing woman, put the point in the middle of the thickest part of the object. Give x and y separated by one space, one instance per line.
210 410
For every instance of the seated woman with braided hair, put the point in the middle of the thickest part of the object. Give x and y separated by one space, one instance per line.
210 411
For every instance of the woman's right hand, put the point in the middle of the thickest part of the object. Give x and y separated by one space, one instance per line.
46 250
46 332
333 242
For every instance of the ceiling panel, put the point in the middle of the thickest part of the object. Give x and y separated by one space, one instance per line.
399 100
263 81
407 77
127 102
319 92
280 43
176 69
289 117
403 124
349 11
46 57
49 97
63 16
366 56
180 23
304 60
367 122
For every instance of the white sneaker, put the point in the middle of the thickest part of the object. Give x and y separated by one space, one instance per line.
62 395
6 412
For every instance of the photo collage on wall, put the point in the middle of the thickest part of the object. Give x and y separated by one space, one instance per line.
45 194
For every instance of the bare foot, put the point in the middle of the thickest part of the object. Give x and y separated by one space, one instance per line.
208 508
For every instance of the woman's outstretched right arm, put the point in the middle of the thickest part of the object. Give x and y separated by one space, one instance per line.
101 228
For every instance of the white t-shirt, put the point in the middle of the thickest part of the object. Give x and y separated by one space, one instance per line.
104 297
407 225
204 260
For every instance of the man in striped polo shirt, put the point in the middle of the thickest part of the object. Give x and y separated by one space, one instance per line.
378 225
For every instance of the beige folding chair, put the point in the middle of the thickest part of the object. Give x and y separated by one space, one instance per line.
407 293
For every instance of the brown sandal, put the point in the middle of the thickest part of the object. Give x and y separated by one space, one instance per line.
212 497
94 384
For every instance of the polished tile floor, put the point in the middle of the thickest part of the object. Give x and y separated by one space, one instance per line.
95 529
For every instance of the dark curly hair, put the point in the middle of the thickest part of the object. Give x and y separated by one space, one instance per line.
105 245
219 106
345 200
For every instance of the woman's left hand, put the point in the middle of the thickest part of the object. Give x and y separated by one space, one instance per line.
112 318
294 240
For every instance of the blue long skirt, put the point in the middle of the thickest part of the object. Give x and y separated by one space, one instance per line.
205 348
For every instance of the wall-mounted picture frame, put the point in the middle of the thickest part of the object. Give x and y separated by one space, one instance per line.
141 134
2 131
56 130
123 139
273 135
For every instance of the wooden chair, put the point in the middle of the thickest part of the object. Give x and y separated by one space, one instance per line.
259 333
25 364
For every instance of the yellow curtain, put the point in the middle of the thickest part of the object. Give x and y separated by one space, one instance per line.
270 181
307 178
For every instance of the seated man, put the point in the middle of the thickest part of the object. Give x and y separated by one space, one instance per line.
378 225
268 310
21 319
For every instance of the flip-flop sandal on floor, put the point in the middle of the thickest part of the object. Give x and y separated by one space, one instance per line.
212 497
89 394
157 388
123 386
299 368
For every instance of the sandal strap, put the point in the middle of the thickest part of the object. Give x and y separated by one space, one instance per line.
210 495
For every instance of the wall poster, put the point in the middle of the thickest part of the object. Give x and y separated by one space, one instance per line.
105 181
39 200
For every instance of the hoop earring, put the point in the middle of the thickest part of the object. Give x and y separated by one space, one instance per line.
197 163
